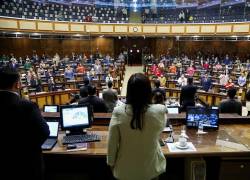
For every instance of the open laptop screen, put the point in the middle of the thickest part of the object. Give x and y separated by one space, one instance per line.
173 110
51 108
53 128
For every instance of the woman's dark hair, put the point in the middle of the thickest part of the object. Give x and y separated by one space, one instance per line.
139 97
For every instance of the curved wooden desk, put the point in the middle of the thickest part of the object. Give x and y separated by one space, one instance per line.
226 153
51 98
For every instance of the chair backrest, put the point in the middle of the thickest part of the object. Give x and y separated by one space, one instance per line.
248 105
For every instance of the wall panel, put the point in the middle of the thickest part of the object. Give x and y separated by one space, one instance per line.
28 25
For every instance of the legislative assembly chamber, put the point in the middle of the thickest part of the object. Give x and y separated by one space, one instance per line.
75 71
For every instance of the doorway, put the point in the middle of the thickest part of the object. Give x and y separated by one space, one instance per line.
134 56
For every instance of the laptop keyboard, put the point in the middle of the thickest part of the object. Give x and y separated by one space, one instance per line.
71 139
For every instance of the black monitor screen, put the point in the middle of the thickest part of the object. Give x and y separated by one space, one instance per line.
75 117
208 116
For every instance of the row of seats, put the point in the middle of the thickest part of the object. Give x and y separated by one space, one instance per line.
109 14
50 11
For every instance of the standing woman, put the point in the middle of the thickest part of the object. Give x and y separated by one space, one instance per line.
134 152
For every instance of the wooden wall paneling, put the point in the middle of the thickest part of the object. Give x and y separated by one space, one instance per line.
57 99
64 98
210 100
41 101
49 100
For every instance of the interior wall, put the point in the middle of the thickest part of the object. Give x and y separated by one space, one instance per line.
113 46
25 46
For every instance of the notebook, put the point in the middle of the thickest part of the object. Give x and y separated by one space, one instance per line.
52 139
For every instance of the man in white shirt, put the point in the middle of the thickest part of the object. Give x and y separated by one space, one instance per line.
182 81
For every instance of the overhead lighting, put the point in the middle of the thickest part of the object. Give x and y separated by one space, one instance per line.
77 35
35 34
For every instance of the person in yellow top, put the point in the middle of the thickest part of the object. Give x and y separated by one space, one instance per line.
134 152
163 80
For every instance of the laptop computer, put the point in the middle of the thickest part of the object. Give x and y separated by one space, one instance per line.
50 108
173 109
52 139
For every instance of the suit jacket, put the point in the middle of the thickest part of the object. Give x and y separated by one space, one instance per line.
161 90
97 104
23 132
206 84
110 97
187 97
136 154
231 106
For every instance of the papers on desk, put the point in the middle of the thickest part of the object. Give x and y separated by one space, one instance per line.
232 145
173 148
79 147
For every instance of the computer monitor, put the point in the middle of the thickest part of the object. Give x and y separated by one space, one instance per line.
173 110
75 117
50 108
208 116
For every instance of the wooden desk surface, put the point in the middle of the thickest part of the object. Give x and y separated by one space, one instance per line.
229 140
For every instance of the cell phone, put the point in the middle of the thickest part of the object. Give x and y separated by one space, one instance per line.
71 146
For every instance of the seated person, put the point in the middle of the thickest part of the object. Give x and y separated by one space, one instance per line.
108 78
231 105
69 74
242 80
158 89
187 97
182 81
97 103
229 84
84 90
206 83
162 80
110 97
80 69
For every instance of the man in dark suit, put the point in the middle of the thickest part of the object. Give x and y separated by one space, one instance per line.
158 89
187 97
23 131
110 97
84 90
97 104
231 105
206 83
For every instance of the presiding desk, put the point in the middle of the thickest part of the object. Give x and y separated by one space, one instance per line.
226 153
104 118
